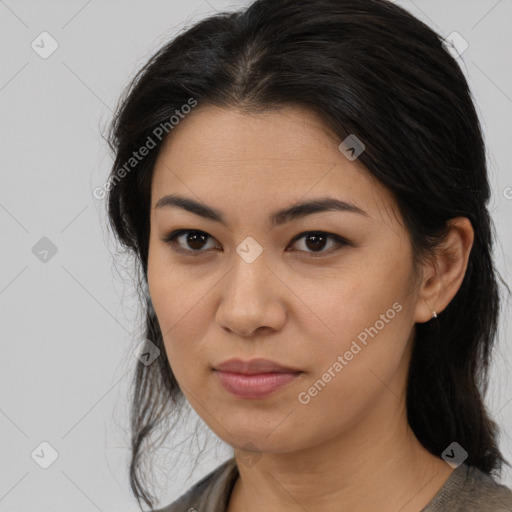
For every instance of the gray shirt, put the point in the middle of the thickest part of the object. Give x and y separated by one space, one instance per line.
467 490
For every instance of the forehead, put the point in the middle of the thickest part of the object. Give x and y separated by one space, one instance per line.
226 157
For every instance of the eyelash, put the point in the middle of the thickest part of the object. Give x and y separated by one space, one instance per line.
171 240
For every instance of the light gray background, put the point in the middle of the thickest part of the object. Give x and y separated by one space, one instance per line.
68 323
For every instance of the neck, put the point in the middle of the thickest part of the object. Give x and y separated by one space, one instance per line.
377 465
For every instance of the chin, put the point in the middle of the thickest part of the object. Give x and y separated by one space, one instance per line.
252 435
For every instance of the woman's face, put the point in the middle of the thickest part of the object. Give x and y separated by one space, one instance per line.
341 314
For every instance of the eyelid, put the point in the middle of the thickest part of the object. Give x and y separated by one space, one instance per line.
339 240
171 240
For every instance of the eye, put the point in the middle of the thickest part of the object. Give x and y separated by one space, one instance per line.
195 239
316 240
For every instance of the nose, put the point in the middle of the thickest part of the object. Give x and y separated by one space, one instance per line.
252 299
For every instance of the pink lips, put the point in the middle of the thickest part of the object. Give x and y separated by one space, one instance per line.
255 379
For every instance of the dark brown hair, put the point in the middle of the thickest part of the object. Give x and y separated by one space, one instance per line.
368 68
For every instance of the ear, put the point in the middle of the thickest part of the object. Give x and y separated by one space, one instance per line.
444 273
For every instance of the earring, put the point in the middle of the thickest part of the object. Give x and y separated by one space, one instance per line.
434 315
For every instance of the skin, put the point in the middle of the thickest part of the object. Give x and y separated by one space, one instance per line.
351 442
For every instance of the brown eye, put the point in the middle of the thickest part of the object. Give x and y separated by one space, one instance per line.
316 241
193 241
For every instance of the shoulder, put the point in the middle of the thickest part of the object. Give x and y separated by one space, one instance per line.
470 490
484 494
210 493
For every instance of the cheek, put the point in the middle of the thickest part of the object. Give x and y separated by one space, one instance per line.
172 291
369 313
180 304
353 298
166 292
354 369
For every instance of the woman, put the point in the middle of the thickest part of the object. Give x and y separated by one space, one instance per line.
304 186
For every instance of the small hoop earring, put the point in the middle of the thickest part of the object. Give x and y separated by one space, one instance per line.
434 315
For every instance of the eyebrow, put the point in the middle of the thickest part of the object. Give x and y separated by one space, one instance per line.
296 211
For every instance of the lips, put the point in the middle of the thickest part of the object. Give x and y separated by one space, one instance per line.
254 379
254 366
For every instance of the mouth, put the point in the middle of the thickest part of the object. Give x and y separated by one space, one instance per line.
254 379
